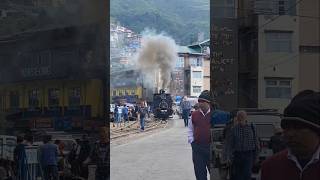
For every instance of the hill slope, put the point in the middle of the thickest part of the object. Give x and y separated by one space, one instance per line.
181 19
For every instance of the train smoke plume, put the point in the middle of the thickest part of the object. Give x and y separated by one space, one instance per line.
158 54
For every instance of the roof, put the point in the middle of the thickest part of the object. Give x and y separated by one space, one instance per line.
199 46
203 43
187 50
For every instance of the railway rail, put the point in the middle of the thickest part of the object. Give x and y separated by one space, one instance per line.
134 128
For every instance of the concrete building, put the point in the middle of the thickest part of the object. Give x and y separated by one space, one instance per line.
278 68
196 80
255 53
203 47
206 73
309 28
268 54
187 77
44 87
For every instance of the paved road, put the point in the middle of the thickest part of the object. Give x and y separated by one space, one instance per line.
165 155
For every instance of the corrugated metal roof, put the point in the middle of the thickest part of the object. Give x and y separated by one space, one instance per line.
187 50
205 42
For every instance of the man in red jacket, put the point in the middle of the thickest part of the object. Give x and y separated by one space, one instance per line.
301 125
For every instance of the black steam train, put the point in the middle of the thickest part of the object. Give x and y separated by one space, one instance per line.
162 105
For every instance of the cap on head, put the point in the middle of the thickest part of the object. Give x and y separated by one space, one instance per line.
304 109
205 96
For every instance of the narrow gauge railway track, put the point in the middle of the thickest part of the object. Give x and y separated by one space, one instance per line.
134 128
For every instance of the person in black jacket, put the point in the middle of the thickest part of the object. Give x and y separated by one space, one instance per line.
100 155
84 154
277 142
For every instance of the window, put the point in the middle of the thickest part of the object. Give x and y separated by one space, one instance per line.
199 62
34 98
114 93
14 99
196 89
180 62
278 88
196 61
53 97
133 92
310 49
74 97
281 10
278 41
197 74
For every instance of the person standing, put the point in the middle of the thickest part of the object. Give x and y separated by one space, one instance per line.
61 157
84 154
277 142
199 136
125 112
74 158
301 131
119 116
20 160
186 107
49 159
100 155
244 148
142 112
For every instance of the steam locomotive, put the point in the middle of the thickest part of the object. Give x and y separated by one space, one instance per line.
162 105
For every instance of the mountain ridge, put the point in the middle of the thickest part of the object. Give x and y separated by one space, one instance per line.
183 20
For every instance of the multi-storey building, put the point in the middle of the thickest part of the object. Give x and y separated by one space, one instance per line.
53 78
256 56
309 45
268 53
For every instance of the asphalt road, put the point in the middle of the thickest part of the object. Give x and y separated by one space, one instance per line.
163 155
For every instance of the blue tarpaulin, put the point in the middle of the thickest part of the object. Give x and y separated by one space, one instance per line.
220 117
178 98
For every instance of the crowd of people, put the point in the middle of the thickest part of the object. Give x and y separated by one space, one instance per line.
295 146
124 113
56 163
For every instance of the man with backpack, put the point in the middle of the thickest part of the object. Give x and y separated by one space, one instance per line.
244 148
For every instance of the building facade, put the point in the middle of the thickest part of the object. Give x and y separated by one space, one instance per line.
265 61
58 85
187 77
204 48
268 54
278 77
309 45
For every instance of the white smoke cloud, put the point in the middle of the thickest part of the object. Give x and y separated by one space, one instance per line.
158 54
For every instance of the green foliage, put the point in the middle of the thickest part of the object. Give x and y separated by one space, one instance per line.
180 19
